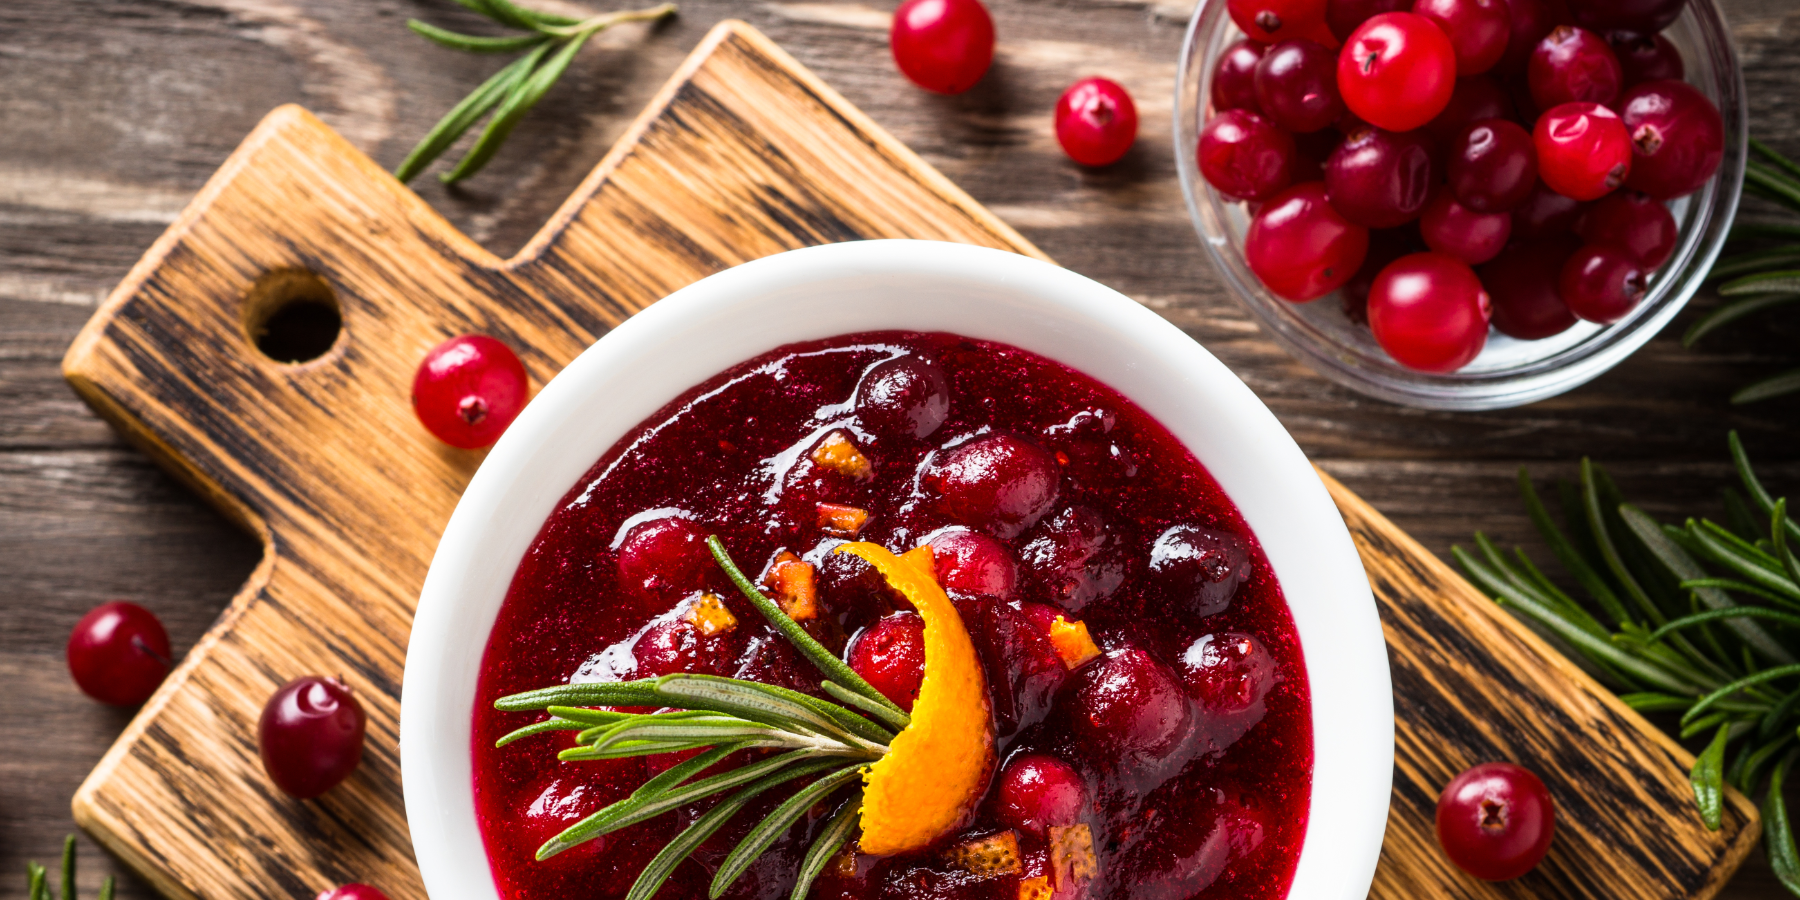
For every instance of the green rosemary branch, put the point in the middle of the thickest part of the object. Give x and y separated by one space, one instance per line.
1703 620
1762 271
37 888
550 43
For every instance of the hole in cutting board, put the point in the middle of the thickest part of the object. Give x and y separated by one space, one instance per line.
292 316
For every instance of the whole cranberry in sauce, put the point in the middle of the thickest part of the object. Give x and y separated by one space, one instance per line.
1002 483
663 556
1130 710
969 562
1036 792
1074 558
891 656
1198 570
1228 675
903 396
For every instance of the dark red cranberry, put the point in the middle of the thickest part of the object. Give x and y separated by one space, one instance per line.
891 656
1243 155
848 583
1074 559
1234 77
1096 121
773 660
1197 569
906 396
1001 483
1603 284
1582 150
1475 99
1646 57
311 736
1573 65
664 557
972 563
1269 21
943 46
1492 166
1530 21
1023 669
675 645
1523 284
1495 821
1129 712
1296 86
1343 16
468 390
1038 792
1228 675
1455 230
352 892
1429 312
1378 179
1677 138
1397 71
1545 214
1182 855
1385 246
1300 247
118 653
1478 30
1631 221
1641 16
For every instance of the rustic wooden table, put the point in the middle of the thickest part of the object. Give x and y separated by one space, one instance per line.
115 112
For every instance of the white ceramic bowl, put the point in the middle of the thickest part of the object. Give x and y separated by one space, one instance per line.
923 286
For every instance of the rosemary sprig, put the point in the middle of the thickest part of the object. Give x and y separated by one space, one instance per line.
1763 270
38 888
823 744
550 43
1711 632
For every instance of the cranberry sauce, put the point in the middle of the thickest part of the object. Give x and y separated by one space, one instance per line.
1185 746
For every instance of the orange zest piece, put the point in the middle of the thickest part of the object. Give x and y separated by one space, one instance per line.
936 768
1072 859
841 520
839 454
709 616
1035 888
1072 642
791 580
987 857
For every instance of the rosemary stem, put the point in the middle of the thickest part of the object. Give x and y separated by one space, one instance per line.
604 21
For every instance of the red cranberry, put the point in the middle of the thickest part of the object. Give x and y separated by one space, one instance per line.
891 656
1531 21
1397 71
849 584
468 390
675 645
973 563
1495 821
1582 149
1130 711
1545 214
1228 675
1641 16
1631 221
1677 138
1024 672
1478 30
1197 569
1646 58
943 46
664 557
1573 65
1343 16
1182 855
311 736
1385 246
1243 155
1038 792
1429 312
1074 559
1096 122
1475 99
1523 284
1234 77
1493 166
1602 284
1378 179
352 892
905 396
1269 21
118 653
1296 86
1455 230
1300 247
1002 483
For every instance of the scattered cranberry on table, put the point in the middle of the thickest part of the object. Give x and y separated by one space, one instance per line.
468 390
1096 122
943 46
118 653
352 892
311 736
1495 821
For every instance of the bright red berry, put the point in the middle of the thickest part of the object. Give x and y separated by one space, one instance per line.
1269 21
943 46
1243 155
1583 150
1478 29
1397 71
118 653
311 736
1300 247
1573 65
1096 122
1296 86
1429 312
468 390
890 655
1037 792
1495 821
1234 77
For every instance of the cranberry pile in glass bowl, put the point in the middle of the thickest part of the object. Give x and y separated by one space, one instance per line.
1331 333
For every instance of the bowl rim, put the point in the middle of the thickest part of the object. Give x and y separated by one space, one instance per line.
905 285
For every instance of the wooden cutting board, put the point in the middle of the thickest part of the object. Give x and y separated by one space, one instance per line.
743 154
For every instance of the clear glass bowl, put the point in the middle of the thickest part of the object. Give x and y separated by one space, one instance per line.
1509 372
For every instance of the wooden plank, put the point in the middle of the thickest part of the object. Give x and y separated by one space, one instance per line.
744 153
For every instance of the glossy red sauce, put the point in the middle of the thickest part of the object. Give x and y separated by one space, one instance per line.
1194 782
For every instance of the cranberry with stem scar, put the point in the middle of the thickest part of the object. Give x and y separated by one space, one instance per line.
1677 138
1478 30
943 46
1234 77
1492 166
310 736
1583 150
118 653
1397 71
1096 121
1243 155
1379 179
1634 222
1455 230
468 390
1296 87
1573 65
1495 821
1602 284
1269 21
1429 312
1300 247
1523 285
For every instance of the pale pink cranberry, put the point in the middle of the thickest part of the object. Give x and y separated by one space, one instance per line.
664 557
890 655
1001 483
973 563
1037 792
